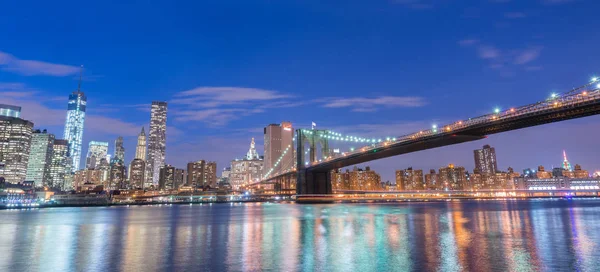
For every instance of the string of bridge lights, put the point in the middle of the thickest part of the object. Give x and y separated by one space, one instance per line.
332 135
278 161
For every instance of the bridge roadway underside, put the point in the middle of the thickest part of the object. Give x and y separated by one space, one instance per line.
317 179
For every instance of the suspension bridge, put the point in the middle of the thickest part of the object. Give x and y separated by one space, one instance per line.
309 172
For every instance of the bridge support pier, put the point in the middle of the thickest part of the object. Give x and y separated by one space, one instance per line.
313 182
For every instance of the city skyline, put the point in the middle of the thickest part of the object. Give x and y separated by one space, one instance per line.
371 95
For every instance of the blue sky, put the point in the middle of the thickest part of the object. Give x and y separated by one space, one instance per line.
372 68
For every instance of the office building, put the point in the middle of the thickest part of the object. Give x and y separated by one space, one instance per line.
74 124
96 152
119 150
60 168
179 178
278 140
84 178
137 173
247 170
432 181
485 160
40 158
15 144
202 174
140 149
156 141
409 180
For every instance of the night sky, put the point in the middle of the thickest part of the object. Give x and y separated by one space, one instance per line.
367 68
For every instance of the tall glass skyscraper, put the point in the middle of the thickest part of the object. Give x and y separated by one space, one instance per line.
157 139
74 124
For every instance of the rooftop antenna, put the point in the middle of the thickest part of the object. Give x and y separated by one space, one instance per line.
80 75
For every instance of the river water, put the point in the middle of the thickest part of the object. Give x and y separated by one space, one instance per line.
524 235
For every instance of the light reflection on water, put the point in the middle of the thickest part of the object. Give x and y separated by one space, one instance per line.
546 235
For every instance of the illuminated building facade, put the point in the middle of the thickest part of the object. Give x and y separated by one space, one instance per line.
74 125
358 179
137 173
247 170
10 111
96 152
157 139
119 150
87 176
278 138
140 149
117 178
202 174
485 160
40 158
170 178
410 179
60 168
453 178
432 181
15 144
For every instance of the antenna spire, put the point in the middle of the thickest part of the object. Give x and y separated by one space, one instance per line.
80 76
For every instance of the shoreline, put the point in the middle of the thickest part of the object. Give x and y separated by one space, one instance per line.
311 201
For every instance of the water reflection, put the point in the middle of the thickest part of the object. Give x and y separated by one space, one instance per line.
549 235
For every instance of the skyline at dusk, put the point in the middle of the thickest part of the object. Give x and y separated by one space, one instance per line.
354 68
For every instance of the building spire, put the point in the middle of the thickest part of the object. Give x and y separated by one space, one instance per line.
252 154
566 164
80 77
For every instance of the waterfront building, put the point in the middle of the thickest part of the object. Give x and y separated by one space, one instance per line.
15 144
453 178
558 183
247 170
96 152
40 158
576 173
277 139
140 149
87 176
542 174
117 178
74 124
409 179
137 173
170 178
202 174
157 139
60 167
358 179
432 181
119 150
485 160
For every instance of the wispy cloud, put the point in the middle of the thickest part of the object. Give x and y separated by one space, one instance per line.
218 96
11 63
514 15
364 104
504 60
527 55
217 106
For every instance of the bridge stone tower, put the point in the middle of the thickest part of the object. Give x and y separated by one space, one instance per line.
312 181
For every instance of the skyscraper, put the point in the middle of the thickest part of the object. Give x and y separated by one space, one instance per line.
156 141
96 152
40 158
74 124
60 167
247 170
119 150
277 139
485 160
140 150
15 143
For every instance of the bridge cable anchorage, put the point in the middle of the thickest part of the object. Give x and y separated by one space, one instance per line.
585 93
